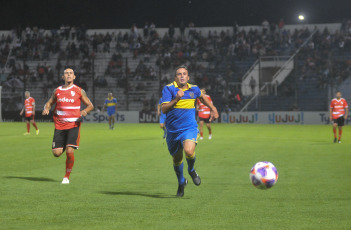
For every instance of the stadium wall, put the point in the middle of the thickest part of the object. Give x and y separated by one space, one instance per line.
95 116
121 117
293 118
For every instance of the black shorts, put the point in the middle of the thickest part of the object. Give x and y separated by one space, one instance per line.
206 120
31 118
66 138
340 121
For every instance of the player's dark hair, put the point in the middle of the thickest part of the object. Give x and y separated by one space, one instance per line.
68 67
180 67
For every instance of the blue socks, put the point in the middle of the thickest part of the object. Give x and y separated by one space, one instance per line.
179 172
191 162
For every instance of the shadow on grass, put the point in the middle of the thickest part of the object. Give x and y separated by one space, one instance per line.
41 179
156 195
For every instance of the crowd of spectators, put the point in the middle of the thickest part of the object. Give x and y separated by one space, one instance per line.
212 57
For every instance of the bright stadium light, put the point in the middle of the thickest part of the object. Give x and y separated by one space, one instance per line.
301 17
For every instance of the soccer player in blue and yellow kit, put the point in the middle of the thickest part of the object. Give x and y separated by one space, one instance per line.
111 104
178 103
162 117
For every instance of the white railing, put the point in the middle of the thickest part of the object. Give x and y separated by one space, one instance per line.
280 76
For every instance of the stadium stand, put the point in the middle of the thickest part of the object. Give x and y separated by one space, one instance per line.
134 64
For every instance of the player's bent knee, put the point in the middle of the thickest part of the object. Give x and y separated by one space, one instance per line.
178 156
57 152
189 150
70 150
189 153
161 126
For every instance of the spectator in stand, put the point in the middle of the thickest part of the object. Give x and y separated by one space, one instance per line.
235 28
62 31
182 29
152 29
171 31
265 27
253 85
73 32
134 32
294 107
146 30
281 25
191 29
67 29
41 71
101 81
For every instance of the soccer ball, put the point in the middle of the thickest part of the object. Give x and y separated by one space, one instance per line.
263 175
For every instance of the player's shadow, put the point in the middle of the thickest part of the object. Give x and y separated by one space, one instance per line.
40 179
155 195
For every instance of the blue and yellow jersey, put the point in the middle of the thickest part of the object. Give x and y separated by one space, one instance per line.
111 104
182 116
160 103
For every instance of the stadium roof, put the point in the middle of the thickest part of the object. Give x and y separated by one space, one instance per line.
123 13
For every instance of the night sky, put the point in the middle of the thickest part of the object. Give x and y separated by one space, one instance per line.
122 13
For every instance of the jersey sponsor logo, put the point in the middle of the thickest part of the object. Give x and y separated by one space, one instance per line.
73 93
65 100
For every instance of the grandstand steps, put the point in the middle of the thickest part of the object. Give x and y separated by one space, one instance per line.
310 96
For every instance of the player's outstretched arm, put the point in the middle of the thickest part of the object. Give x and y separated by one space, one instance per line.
159 109
197 106
166 107
48 104
22 111
346 113
331 115
33 109
214 112
88 103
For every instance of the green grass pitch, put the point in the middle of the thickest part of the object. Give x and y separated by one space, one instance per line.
124 179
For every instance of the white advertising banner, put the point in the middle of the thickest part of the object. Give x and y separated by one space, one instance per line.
297 118
120 117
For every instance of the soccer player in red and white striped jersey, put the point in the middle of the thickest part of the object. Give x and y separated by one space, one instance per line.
338 112
67 118
204 113
29 111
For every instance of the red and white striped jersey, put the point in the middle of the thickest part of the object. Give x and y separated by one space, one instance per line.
67 110
204 111
338 107
28 106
